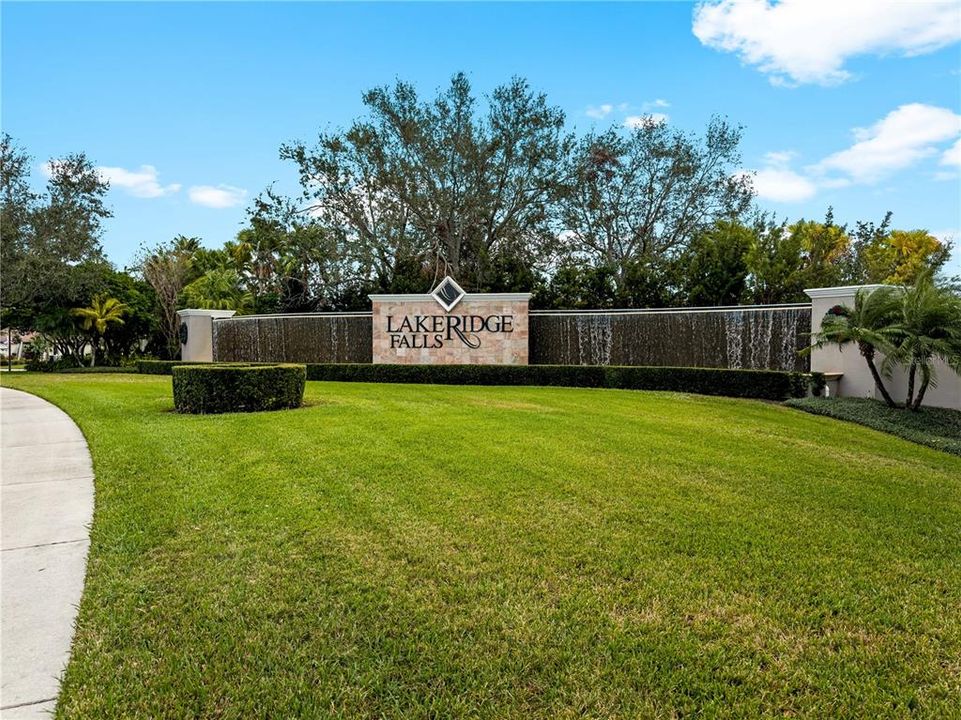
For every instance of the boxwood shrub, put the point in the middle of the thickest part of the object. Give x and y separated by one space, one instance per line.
761 384
237 388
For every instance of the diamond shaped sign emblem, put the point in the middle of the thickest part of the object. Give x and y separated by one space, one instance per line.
448 293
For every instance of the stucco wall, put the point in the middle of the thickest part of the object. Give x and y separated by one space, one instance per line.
199 345
856 380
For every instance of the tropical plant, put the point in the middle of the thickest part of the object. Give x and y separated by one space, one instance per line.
928 328
218 290
869 324
97 318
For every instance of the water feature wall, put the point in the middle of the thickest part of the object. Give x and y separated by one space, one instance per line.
757 337
307 338
766 337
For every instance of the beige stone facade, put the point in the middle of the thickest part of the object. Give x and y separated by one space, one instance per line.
483 329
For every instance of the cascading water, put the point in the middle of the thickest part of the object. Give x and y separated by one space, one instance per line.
758 337
734 335
314 338
762 337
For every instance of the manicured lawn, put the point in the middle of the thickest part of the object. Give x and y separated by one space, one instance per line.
427 551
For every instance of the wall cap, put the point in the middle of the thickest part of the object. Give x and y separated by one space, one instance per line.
839 291
425 297
193 312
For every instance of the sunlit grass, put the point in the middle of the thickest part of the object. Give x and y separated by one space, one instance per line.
427 551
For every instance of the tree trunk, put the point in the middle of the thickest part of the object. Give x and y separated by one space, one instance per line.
925 378
868 352
93 353
909 402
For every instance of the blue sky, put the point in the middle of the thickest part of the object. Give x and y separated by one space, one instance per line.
185 105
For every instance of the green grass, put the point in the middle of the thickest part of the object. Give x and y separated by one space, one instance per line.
441 551
939 428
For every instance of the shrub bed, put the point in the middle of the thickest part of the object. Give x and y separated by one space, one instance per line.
760 384
237 388
939 428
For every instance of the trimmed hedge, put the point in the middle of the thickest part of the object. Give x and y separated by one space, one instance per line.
237 388
157 367
98 369
164 367
938 428
52 366
760 384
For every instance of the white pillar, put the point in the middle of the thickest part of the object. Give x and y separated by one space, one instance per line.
855 380
197 328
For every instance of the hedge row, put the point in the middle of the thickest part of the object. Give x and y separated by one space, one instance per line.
98 369
237 388
51 365
157 367
164 367
760 384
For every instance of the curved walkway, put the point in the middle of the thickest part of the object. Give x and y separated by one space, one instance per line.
47 505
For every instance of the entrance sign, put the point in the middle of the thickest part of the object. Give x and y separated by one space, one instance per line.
449 326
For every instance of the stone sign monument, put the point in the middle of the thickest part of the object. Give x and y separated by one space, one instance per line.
450 326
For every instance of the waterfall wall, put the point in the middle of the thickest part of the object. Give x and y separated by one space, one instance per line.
307 338
757 337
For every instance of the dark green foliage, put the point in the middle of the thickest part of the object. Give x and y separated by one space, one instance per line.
715 264
101 369
461 186
237 388
938 428
157 367
818 383
58 365
165 367
761 384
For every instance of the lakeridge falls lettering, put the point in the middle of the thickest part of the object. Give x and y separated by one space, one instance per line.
432 331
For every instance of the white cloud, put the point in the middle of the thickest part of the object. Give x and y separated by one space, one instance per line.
900 139
600 112
142 183
952 156
780 159
220 196
636 121
809 41
776 181
781 184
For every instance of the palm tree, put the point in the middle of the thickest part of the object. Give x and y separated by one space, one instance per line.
220 289
103 312
868 324
928 327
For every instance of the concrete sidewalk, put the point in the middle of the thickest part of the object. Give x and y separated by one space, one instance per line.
47 505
